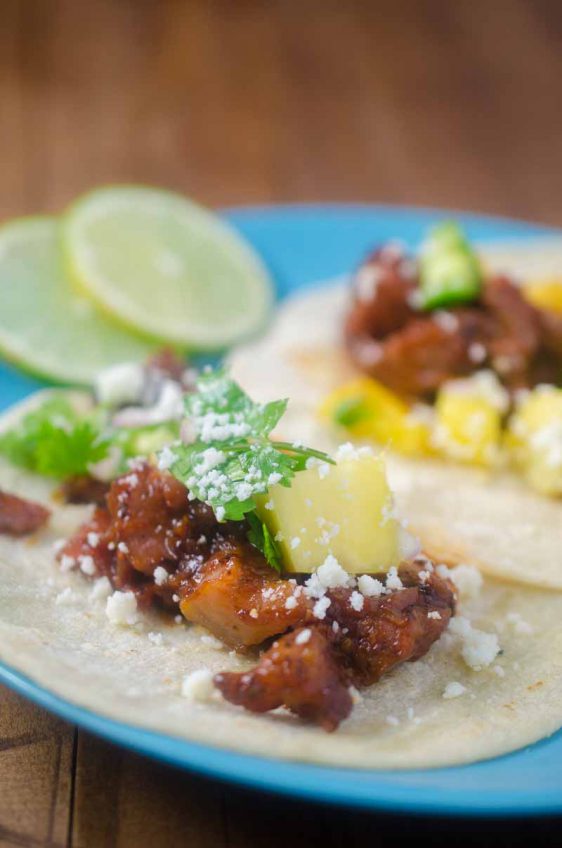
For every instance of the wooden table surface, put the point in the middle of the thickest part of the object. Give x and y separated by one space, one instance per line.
240 101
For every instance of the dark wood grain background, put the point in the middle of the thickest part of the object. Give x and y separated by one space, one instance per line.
452 103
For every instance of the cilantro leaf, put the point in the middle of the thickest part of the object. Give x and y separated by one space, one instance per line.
260 537
57 441
232 459
221 410
54 441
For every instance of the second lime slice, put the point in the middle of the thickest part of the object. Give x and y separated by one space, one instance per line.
45 327
166 267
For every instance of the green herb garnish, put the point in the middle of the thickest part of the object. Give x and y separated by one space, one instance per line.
260 537
231 459
351 411
450 272
55 440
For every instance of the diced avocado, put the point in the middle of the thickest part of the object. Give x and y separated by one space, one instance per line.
345 510
368 410
534 438
450 272
469 419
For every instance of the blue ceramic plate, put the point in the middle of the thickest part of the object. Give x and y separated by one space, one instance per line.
302 245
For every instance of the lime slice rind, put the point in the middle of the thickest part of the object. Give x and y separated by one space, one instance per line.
160 264
46 328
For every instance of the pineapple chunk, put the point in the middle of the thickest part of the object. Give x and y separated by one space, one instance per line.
345 510
534 437
469 419
545 294
368 410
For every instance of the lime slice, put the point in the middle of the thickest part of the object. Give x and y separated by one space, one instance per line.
46 327
166 267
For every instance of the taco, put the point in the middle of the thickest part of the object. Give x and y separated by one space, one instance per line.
452 365
228 586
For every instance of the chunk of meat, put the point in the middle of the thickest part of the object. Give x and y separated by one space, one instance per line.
240 599
300 672
84 489
414 353
390 629
308 669
417 360
383 291
517 337
20 517
153 522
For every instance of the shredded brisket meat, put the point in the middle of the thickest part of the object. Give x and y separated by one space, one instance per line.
20 517
415 352
152 539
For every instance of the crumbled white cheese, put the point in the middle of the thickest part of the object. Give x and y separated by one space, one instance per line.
101 589
499 670
176 599
295 542
123 547
357 601
350 451
87 565
303 637
67 563
269 505
476 352
121 608
198 686
467 579
320 607
392 580
120 384
366 281
155 638
434 614
168 407
291 602
93 539
160 575
59 545
253 613
478 649
446 320
166 458
454 690
330 575
369 586
484 384
220 512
